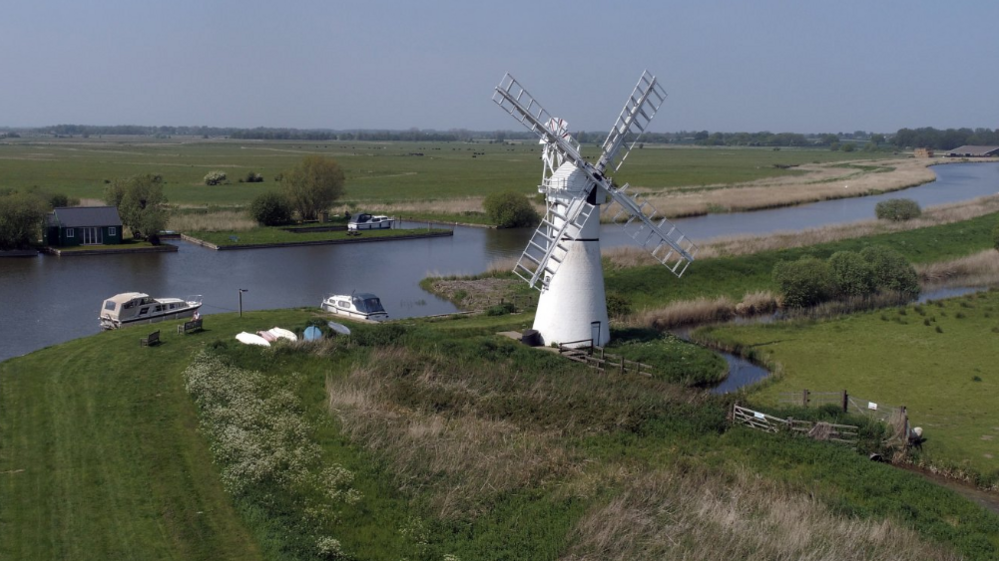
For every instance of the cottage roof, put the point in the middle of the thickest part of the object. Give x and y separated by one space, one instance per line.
83 216
971 150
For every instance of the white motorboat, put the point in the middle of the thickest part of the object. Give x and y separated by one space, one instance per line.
131 308
358 305
369 222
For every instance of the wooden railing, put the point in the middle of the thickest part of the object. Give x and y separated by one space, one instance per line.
599 359
819 430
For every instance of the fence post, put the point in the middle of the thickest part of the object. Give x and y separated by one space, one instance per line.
846 401
804 398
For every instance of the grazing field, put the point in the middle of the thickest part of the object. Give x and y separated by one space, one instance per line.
377 173
422 440
938 359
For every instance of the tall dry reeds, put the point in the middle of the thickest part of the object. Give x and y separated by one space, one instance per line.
979 269
702 310
219 221
700 516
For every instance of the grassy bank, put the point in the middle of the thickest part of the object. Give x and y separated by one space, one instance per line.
421 440
654 286
940 366
266 236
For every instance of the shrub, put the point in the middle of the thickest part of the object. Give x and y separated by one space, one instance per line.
215 177
897 210
271 209
891 270
510 210
851 274
253 177
995 237
618 305
501 309
805 282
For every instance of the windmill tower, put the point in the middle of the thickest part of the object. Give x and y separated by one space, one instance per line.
572 308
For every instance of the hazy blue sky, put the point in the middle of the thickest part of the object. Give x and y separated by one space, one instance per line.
799 66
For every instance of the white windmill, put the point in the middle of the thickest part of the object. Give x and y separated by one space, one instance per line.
572 309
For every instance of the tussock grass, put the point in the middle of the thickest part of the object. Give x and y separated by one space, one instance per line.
699 516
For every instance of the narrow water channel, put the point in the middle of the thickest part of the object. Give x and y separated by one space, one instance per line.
47 300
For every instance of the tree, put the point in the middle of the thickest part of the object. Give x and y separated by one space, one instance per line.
805 282
897 210
851 274
891 270
510 209
139 200
21 216
271 209
313 185
215 177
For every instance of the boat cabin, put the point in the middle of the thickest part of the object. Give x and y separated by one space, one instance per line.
360 305
369 222
137 307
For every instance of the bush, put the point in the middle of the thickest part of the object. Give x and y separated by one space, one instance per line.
618 305
995 237
501 309
891 270
851 274
271 209
897 210
510 210
215 177
253 177
805 282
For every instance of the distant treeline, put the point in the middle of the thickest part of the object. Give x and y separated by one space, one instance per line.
926 137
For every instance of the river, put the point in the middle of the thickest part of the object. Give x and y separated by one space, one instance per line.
48 300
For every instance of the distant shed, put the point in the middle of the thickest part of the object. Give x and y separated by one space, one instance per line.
970 151
923 152
83 225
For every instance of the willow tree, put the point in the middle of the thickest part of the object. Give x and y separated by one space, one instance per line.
313 185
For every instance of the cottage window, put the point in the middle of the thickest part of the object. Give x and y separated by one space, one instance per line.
112 231
70 233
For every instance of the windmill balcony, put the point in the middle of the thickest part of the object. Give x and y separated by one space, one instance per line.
553 185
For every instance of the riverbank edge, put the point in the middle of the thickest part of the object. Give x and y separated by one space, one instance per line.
359 239
849 195
163 248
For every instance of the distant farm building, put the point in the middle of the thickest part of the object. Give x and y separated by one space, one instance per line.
924 152
83 225
970 151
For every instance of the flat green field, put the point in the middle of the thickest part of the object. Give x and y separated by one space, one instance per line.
938 359
376 171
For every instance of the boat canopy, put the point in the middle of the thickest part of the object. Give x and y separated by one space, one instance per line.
367 303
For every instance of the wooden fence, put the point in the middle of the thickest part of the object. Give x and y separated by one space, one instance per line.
846 434
848 403
599 359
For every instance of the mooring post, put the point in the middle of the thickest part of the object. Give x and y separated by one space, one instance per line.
804 398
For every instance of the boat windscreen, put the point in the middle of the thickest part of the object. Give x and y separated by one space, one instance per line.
110 305
368 305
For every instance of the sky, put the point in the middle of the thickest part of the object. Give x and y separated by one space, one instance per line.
782 66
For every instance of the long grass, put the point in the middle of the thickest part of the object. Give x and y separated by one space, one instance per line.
671 515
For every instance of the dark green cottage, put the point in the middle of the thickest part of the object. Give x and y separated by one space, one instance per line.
83 225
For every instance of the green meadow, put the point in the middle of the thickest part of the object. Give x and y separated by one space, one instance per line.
937 359
422 440
376 172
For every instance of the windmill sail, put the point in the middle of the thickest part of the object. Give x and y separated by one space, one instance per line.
657 235
638 112
547 249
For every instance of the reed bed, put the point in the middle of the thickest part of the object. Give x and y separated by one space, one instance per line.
820 182
744 245
979 269
218 221
700 516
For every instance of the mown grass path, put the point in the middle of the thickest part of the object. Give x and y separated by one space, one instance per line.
100 457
